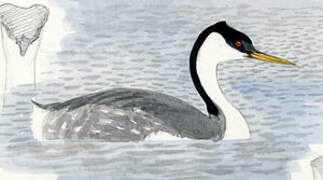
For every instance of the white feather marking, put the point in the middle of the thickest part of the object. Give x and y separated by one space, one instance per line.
105 110
156 123
77 129
136 110
147 128
119 127
135 131
64 125
119 112
105 121
131 120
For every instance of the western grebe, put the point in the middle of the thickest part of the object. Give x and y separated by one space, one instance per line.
134 114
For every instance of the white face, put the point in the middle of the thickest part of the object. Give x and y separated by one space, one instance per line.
215 50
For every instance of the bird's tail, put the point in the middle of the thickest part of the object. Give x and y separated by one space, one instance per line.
38 104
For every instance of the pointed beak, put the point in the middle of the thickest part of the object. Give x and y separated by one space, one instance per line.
269 58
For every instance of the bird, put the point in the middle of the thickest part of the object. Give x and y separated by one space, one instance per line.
125 114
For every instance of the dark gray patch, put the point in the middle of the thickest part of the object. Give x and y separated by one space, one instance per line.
128 115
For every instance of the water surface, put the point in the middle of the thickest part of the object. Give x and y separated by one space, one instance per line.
146 44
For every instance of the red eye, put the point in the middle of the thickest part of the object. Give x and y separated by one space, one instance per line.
238 43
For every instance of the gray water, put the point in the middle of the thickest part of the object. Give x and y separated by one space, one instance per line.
146 44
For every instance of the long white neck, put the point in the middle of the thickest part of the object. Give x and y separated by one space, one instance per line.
211 53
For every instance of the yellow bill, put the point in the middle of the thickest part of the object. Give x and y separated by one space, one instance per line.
269 58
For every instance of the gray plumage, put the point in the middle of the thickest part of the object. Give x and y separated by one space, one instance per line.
128 115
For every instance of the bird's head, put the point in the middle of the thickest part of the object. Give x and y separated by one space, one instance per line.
222 42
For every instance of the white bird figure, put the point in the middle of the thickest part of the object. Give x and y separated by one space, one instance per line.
21 36
24 26
134 114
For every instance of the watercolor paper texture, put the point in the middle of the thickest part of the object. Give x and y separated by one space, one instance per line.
106 90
